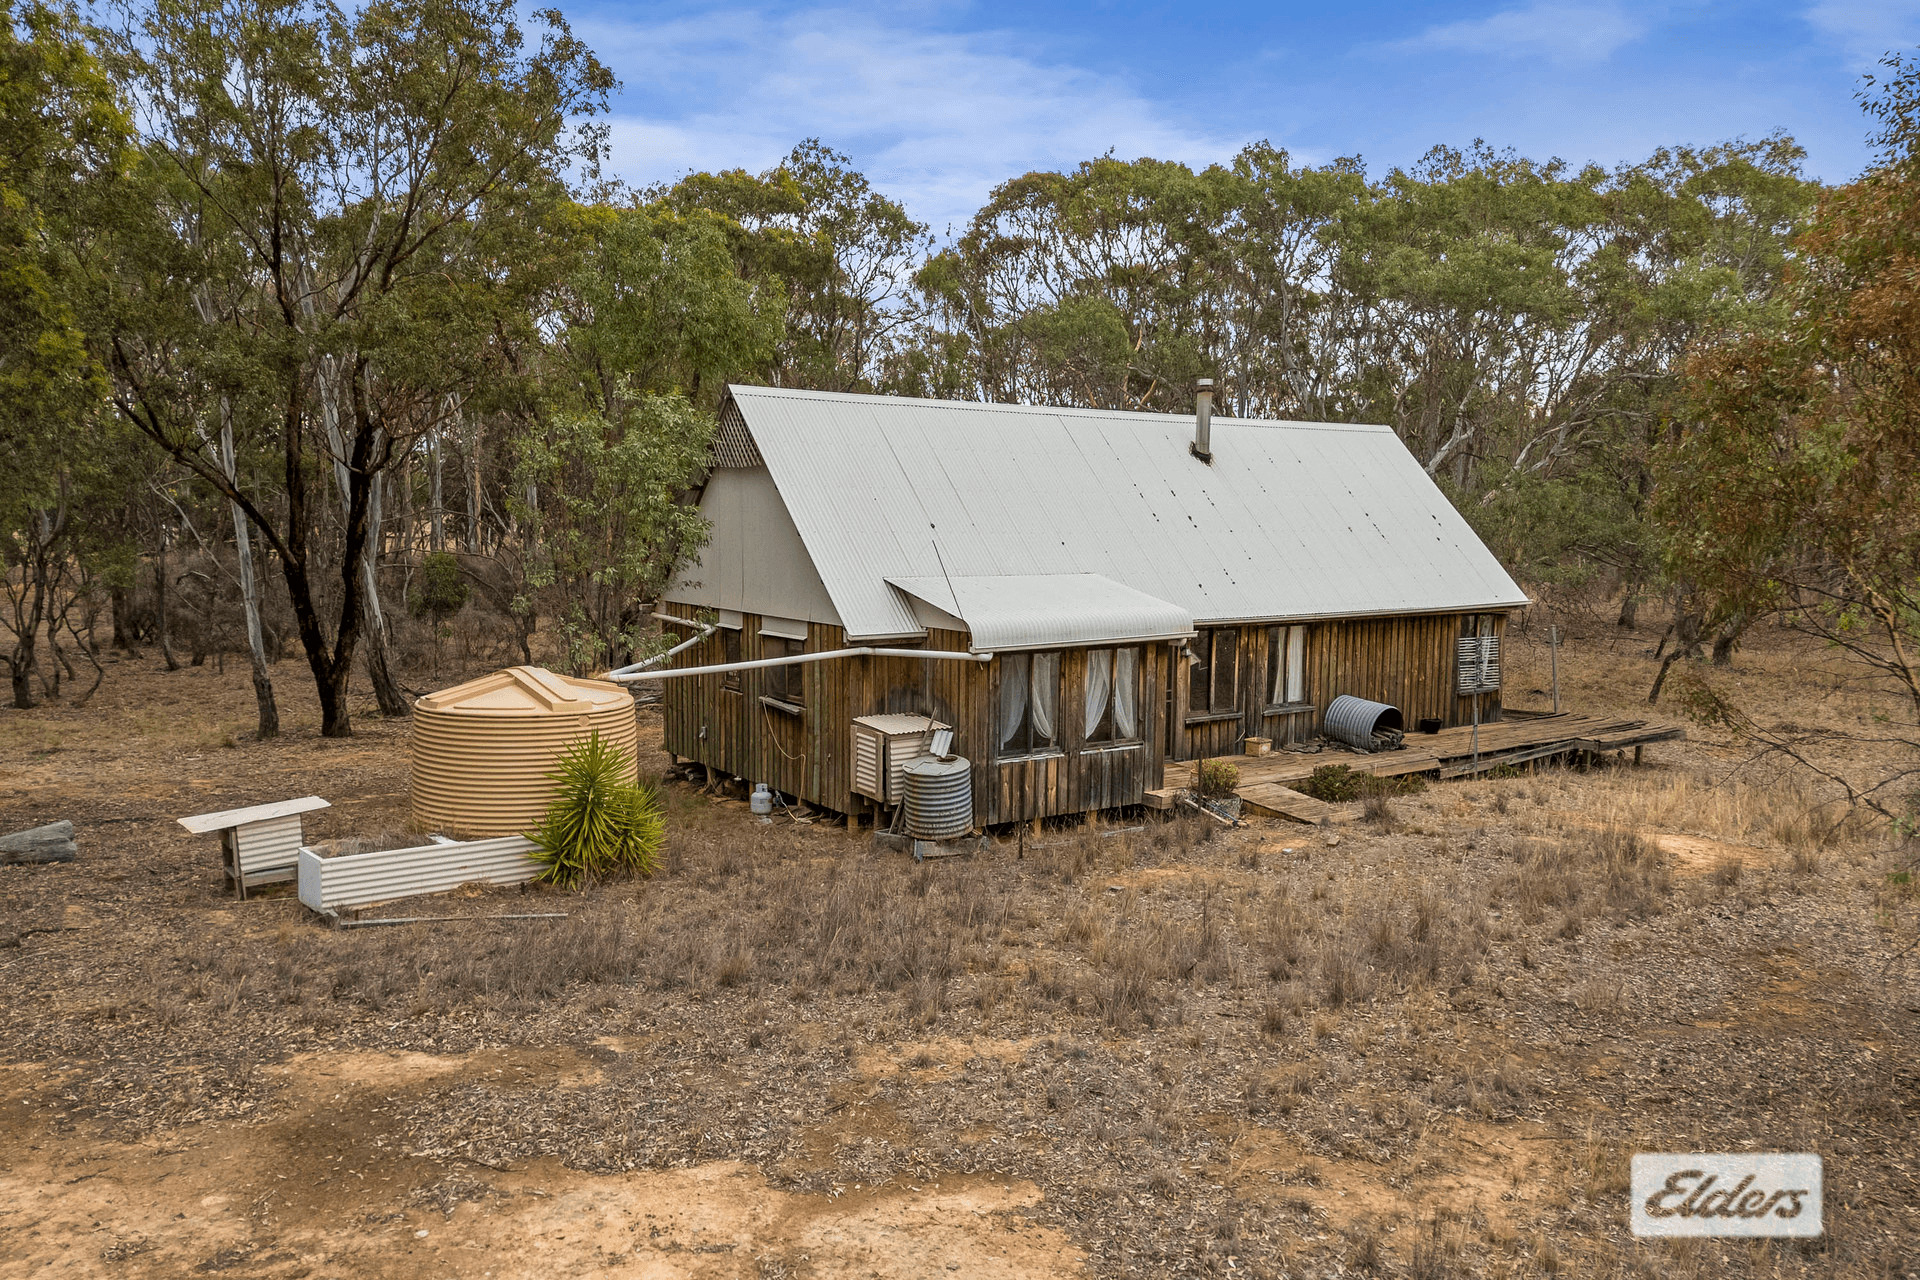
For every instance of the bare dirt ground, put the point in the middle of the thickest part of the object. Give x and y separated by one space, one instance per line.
1423 1044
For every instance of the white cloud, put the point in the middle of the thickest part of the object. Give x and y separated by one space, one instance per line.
1866 32
933 118
1562 33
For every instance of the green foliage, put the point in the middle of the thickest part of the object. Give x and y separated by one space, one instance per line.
608 524
1218 778
1342 784
443 589
601 822
1333 783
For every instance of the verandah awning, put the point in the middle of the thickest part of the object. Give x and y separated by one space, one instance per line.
1049 610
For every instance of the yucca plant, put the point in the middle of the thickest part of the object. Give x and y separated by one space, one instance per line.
600 822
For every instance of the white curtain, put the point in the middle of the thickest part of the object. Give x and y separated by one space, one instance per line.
1046 693
1126 693
1015 678
1099 682
1296 665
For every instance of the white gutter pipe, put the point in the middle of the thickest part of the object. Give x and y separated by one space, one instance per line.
706 629
628 677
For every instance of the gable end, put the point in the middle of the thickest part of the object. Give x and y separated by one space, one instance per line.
733 444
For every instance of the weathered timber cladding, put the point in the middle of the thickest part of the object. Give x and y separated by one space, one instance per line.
809 755
1407 661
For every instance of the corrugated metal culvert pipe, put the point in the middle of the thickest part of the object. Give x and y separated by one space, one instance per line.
939 797
1370 726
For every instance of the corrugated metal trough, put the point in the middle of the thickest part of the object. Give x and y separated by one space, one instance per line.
330 885
1355 721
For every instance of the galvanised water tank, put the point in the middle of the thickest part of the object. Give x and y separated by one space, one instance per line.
939 797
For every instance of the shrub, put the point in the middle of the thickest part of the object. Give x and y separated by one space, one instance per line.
600 821
1218 778
442 590
1341 783
1334 783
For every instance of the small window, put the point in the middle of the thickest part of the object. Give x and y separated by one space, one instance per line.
730 652
1113 696
1213 674
784 684
1029 701
1286 666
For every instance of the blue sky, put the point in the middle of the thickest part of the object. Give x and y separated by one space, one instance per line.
937 102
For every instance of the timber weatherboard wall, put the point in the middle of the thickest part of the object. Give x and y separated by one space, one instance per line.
809 755
1407 661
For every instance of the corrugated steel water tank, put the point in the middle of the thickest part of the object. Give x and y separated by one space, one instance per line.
939 797
482 750
1355 721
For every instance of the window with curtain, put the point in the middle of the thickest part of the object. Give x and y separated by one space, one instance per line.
1286 666
1213 671
1029 703
1113 696
783 684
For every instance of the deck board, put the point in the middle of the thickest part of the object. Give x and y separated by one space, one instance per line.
1450 753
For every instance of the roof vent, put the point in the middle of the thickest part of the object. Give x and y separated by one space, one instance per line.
1202 446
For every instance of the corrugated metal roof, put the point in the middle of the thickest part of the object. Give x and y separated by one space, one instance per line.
1049 610
1292 520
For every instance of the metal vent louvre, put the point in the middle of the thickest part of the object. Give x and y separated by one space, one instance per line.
869 762
882 747
1478 662
733 444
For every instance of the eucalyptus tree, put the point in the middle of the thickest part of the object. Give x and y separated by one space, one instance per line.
841 254
1795 483
345 180
1100 286
64 141
623 353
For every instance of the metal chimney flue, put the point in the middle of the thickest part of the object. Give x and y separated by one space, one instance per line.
1202 446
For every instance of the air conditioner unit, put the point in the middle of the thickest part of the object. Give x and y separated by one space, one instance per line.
882 748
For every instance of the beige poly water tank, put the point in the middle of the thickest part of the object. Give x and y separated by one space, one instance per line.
482 750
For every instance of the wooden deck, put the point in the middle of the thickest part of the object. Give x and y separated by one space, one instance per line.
1450 753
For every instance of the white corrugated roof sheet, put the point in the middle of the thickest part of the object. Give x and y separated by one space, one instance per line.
1292 520
1050 610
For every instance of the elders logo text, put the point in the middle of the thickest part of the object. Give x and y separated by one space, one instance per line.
1699 1194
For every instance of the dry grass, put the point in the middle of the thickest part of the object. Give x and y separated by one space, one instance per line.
1466 1016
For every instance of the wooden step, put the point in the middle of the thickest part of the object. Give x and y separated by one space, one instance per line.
1276 801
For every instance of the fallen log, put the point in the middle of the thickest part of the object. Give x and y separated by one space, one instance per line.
51 843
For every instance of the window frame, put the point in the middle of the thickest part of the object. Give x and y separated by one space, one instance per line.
783 688
1002 751
1109 719
1280 676
732 650
1210 638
